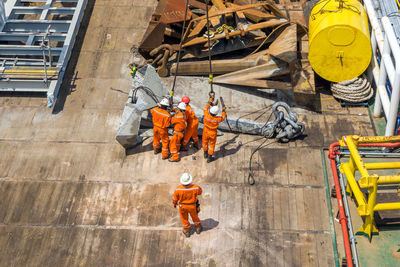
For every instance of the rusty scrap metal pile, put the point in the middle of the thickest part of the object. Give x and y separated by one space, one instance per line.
254 45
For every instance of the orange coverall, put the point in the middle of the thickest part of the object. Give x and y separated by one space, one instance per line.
192 125
210 129
186 197
161 120
179 123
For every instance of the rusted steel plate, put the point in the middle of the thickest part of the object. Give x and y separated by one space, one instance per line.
174 12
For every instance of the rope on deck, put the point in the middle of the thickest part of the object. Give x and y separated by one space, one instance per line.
355 90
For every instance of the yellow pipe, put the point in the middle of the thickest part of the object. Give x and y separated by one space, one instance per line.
382 165
377 139
387 206
369 225
344 168
389 179
352 145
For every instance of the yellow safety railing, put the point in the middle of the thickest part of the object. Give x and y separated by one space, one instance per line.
367 207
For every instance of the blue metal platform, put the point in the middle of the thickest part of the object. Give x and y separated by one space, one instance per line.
36 40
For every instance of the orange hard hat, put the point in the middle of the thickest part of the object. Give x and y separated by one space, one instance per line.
185 99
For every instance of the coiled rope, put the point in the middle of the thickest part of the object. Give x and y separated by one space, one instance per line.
355 90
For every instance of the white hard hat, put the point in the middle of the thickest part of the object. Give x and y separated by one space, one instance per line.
186 179
214 110
182 106
164 102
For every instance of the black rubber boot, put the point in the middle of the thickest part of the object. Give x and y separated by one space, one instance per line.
173 160
198 229
210 158
186 232
197 145
157 150
205 154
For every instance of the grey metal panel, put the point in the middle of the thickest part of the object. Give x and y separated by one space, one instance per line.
56 1
38 10
25 50
23 86
2 14
16 36
14 25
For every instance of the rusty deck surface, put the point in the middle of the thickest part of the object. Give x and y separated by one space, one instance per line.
71 196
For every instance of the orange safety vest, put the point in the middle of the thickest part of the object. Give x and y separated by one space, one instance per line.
190 115
161 117
186 194
179 122
212 122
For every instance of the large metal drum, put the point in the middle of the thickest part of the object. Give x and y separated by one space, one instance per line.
339 40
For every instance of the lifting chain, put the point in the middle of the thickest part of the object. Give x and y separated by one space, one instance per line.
219 30
283 127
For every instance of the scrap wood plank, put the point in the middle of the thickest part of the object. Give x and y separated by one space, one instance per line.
219 66
273 68
258 83
302 77
198 28
232 10
197 4
252 14
284 46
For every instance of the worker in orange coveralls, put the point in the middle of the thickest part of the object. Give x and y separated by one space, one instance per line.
211 122
192 125
179 122
161 121
185 196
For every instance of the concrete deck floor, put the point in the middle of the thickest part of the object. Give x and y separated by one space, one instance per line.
71 196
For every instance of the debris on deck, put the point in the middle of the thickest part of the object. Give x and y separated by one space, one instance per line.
260 45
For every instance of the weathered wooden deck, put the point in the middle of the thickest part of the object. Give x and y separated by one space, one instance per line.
71 196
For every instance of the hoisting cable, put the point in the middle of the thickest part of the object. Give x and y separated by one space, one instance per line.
283 128
250 177
211 94
210 75
179 55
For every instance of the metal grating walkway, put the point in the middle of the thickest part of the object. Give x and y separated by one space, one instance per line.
36 41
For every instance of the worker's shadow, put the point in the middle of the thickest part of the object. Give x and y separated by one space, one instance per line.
224 151
140 148
208 224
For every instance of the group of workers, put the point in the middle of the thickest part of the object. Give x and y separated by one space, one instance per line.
185 125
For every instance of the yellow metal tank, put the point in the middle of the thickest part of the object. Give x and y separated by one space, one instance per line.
339 40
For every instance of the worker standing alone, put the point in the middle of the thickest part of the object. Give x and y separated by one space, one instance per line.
211 122
179 122
192 125
185 196
161 121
